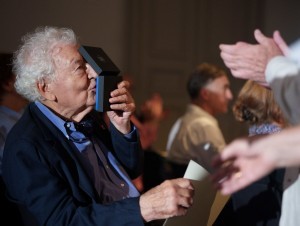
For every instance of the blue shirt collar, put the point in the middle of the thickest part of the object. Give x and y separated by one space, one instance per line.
59 123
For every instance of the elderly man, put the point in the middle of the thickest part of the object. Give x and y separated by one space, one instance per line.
61 164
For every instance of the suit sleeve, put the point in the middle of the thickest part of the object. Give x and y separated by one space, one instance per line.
287 95
128 151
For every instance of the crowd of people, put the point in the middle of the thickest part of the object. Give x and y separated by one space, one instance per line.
65 164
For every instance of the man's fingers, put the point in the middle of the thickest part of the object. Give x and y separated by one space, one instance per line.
232 48
281 43
260 37
183 183
124 83
182 211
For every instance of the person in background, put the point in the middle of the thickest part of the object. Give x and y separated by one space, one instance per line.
61 164
260 202
197 131
147 120
11 103
209 91
271 63
11 109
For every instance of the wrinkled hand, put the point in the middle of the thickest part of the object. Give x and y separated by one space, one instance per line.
123 106
239 165
249 61
171 198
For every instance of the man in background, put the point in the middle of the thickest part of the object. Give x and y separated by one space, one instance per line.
196 135
209 92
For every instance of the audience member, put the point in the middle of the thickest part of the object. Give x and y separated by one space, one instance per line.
209 92
198 129
11 108
147 120
11 103
244 161
260 202
61 164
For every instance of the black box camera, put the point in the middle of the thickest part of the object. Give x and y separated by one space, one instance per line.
108 75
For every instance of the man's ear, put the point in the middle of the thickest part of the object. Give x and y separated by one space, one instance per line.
44 89
204 93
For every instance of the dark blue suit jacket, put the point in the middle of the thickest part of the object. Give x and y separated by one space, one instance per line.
45 178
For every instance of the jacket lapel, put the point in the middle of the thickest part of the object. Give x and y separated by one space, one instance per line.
65 155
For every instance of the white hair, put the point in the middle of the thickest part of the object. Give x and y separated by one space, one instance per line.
33 61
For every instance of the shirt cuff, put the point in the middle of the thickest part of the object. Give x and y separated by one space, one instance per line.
294 51
280 67
132 136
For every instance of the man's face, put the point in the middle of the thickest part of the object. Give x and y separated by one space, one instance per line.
75 86
219 95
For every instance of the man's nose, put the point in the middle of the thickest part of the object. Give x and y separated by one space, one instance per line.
91 72
229 95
